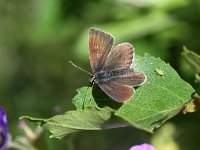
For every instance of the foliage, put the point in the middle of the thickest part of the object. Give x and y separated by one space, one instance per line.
146 110
38 38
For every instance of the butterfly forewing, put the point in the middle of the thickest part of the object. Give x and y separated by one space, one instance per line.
119 57
100 44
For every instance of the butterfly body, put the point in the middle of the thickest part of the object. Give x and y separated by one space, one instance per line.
112 66
109 75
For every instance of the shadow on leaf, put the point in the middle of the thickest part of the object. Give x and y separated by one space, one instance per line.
102 99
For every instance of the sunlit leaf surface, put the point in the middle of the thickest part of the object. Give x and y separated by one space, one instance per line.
162 96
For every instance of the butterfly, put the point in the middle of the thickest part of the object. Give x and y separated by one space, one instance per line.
111 66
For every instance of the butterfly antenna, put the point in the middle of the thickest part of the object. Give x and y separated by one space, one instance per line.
79 68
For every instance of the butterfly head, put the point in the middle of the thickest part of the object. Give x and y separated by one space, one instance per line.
93 80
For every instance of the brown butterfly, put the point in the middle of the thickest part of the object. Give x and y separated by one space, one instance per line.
111 66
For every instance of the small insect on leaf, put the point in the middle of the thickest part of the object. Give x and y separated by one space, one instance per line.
159 72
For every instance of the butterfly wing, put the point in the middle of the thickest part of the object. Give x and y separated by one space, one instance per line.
131 78
105 58
121 87
119 93
120 56
100 44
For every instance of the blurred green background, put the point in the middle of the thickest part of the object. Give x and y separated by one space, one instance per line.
39 37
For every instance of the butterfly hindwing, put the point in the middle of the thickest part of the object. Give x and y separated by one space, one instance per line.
130 78
119 93
120 86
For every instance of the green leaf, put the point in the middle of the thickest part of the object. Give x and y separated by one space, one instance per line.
162 96
193 60
84 98
88 97
73 121
159 99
